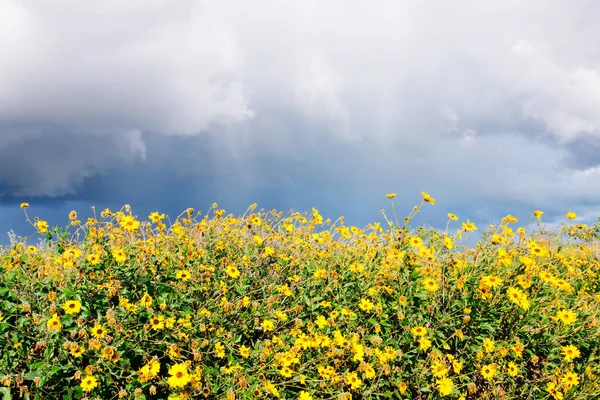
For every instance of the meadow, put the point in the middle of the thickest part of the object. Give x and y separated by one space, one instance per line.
292 306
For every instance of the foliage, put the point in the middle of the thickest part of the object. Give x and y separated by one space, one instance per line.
267 305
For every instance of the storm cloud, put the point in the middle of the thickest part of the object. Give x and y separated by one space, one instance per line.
490 106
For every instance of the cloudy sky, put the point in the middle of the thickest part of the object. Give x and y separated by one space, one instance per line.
491 106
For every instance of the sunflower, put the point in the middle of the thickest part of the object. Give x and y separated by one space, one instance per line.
512 369
353 380
570 352
419 331
430 285
232 271
77 351
54 323
146 300
157 322
183 274
244 351
179 375
488 371
72 307
98 331
567 316
570 379
89 383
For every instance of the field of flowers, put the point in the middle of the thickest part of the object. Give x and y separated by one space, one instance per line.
267 305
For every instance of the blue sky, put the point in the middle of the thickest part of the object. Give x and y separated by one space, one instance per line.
492 107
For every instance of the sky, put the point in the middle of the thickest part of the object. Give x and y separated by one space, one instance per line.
490 106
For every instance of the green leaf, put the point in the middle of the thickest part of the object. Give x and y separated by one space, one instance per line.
5 393
68 293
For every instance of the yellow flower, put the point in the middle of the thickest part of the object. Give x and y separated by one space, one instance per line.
391 195
129 223
448 243
157 322
369 371
119 255
457 366
439 369
571 215
469 226
554 391
155 217
538 214
357 350
54 323
452 217
281 315
304 395
149 371
518 297
570 352
232 271
568 317
245 351
365 304
419 331
321 321
509 218
488 345
512 369
93 259
424 344
154 366
246 301
179 375
430 285
258 240
89 383
220 350
415 241
491 281
353 380
183 275
110 353
488 371
321 273
445 386
402 387
42 226
569 379
270 387
24 205
268 325
98 331
72 307
76 351
427 198
146 300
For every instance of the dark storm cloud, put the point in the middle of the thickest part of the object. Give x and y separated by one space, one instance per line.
489 106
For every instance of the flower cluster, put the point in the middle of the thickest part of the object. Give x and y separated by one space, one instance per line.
294 306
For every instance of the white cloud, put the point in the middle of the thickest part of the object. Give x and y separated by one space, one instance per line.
442 84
